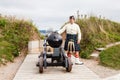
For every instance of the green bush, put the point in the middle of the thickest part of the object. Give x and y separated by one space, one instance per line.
14 36
97 33
6 51
42 37
2 22
111 57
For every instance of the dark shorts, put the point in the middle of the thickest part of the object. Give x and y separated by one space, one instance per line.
74 38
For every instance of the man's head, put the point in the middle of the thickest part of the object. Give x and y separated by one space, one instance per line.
71 19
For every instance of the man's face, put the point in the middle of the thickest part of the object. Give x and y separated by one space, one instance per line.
71 21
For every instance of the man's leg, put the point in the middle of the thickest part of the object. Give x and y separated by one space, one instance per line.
68 54
77 58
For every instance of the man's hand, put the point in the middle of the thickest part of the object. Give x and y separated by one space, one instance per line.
78 42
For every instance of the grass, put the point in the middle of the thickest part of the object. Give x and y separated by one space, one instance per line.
111 57
14 36
6 52
97 32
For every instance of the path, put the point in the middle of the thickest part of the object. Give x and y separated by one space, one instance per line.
29 71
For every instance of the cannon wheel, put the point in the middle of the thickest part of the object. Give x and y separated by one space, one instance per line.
41 65
69 68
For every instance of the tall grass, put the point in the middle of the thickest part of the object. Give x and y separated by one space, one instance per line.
97 32
14 36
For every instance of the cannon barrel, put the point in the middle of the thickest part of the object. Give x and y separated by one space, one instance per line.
54 40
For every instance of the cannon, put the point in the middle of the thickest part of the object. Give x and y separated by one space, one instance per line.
57 57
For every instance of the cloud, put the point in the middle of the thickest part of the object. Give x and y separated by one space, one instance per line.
53 13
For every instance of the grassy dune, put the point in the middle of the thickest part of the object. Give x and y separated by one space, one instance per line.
14 36
96 33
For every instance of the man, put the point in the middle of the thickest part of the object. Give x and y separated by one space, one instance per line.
72 32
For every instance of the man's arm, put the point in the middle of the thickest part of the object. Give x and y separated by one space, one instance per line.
62 30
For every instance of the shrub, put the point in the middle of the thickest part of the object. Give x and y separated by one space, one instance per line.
6 51
111 57
14 36
97 33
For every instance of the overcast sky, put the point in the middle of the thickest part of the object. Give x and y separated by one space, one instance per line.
53 13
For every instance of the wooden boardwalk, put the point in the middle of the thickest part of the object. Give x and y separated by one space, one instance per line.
29 71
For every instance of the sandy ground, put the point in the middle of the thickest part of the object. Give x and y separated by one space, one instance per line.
102 71
8 71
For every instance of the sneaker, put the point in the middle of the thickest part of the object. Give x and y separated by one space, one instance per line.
78 62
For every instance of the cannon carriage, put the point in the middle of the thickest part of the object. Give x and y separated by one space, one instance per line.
58 57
